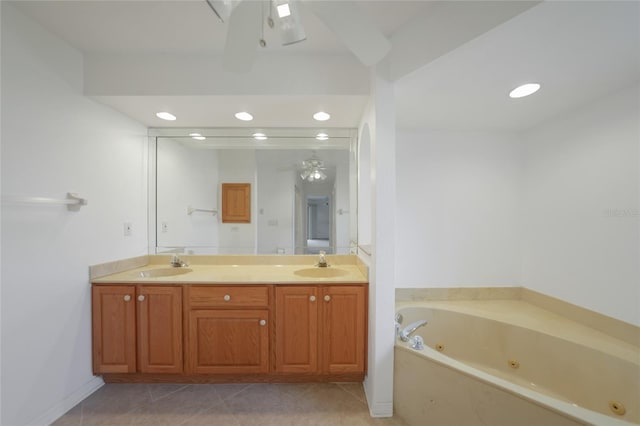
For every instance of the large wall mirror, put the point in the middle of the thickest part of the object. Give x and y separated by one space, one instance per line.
303 190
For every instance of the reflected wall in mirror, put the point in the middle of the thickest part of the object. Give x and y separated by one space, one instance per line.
303 191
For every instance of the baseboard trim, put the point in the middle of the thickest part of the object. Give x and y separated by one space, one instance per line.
381 409
378 409
58 410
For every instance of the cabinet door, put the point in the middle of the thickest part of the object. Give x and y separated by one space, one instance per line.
159 329
236 203
228 341
114 329
296 329
343 331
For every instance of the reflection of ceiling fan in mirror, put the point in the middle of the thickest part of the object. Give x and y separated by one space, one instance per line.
246 19
313 170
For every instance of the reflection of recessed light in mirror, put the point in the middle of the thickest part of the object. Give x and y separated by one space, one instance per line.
260 136
244 116
322 136
166 116
524 90
197 136
321 116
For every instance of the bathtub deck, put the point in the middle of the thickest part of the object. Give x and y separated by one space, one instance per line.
524 314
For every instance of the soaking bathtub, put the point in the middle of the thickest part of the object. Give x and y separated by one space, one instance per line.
510 363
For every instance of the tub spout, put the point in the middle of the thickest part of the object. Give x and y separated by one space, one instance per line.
406 333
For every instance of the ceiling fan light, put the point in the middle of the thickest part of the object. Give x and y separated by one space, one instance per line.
283 10
291 29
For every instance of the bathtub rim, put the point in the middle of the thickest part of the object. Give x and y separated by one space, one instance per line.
563 408
615 347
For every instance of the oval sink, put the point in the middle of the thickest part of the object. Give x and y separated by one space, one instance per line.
163 272
320 272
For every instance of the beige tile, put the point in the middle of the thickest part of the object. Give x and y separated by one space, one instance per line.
218 414
160 390
111 404
226 391
265 399
176 407
72 417
354 389
301 404
329 398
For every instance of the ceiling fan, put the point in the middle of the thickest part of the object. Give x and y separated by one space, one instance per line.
343 17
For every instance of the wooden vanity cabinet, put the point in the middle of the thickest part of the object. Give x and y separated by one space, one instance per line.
320 329
229 333
114 329
137 329
343 336
228 330
296 335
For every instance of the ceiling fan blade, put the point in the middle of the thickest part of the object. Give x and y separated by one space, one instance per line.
240 49
353 28
223 8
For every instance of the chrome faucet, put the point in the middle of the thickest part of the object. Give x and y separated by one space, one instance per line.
176 262
406 332
322 262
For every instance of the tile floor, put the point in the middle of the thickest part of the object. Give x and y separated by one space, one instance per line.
305 404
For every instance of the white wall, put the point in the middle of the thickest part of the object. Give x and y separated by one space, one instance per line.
275 202
378 123
186 177
554 209
342 203
458 197
54 140
581 232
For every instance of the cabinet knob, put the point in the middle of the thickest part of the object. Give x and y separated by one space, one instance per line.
126 297
226 297
141 298
263 322
312 298
327 298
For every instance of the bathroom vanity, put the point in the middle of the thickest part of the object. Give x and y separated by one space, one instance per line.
217 321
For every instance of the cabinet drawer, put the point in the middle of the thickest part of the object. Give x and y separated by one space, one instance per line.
228 296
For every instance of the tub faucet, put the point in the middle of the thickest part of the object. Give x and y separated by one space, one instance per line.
406 332
322 261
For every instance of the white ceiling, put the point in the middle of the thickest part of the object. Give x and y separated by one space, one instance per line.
187 26
577 50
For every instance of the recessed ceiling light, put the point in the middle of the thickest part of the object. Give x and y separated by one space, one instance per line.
166 116
524 90
244 116
322 136
321 116
260 136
